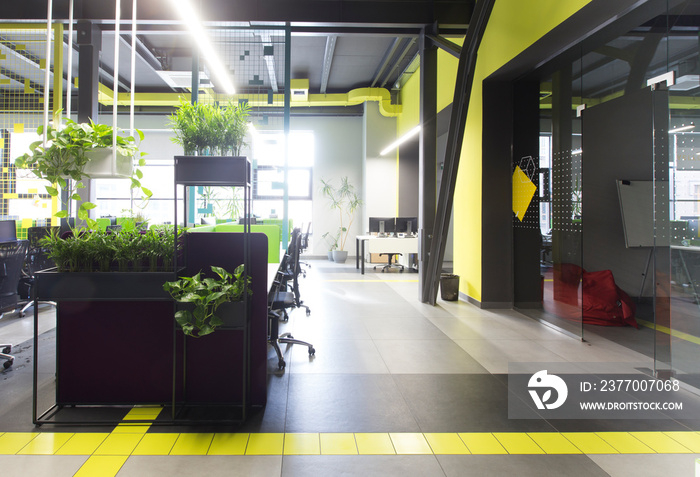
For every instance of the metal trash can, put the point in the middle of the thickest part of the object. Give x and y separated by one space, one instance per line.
449 287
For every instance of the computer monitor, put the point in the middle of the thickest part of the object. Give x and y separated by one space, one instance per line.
406 225
8 231
381 225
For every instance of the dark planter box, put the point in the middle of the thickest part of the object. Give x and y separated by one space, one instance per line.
99 286
212 170
214 364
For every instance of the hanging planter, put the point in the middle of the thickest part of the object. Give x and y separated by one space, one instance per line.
106 163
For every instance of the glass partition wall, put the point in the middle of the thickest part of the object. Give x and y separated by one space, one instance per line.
619 192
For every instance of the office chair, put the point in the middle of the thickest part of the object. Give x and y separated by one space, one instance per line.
390 265
37 259
291 276
304 245
12 255
278 301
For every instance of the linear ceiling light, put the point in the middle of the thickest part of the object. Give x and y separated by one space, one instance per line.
199 35
681 129
400 140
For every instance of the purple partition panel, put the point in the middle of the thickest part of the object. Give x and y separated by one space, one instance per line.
213 362
114 352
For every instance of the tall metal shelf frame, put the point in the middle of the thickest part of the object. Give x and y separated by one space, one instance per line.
217 171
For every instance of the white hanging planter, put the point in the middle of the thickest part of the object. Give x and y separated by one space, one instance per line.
106 163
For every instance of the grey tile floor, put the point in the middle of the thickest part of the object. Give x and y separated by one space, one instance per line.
384 363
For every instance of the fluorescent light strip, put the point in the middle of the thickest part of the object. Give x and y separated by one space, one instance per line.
199 35
681 129
400 140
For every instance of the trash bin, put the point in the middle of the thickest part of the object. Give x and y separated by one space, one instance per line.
449 287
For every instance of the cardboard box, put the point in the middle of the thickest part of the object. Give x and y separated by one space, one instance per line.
376 258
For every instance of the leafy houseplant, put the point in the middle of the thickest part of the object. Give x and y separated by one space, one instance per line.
66 155
345 200
210 129
206 295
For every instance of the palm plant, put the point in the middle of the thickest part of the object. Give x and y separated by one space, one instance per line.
345 200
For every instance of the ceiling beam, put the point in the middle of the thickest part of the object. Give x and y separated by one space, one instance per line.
387 57
327 62
406 49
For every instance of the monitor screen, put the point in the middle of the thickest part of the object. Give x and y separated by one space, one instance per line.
381 225
406 225
8 231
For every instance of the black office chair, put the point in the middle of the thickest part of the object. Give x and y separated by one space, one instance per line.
390 265
37 259
290 277
12 255
278 301
304 246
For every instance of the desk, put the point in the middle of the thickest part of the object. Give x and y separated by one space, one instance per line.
376 244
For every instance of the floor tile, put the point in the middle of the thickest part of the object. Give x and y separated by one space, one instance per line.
156 444
554 443
446 443
338 443
676 465
410 443
589 443
337 357
362 466
495 355
427 357
209 466
101 466
119 444
82 443
302 444
229 444
192 444
661 443
374 444
338 403
46 443
265 444
13 442
625 443
518 443
412 327
519 465
482 443
41 465
690 440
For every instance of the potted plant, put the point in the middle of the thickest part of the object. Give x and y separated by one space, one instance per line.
210 129
345 200
332 243
77 151
205 296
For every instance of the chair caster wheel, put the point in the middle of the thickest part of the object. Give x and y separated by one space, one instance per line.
281 364
7 363
7 349
308 312
312 351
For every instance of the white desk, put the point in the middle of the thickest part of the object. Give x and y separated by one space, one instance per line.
374 244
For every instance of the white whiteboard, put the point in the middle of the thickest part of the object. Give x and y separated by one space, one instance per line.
637 208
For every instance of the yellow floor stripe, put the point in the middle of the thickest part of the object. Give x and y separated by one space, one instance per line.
338 444
402 443
374 444
302 444
101 466
83 443
143 413
46 444
661 443
265 444
119 444
156 444
446 443
518 443
554 443
625 443
482 443
691 440
12 442
192 444
675 333
590 443
228 444
130 428
410 443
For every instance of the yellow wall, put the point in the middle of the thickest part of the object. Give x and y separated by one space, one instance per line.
513 26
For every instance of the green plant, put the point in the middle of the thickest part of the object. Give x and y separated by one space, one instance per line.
209 129
62 160
345 200
206 295
331 240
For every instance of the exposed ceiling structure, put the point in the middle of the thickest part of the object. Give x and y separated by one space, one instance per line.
336 46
